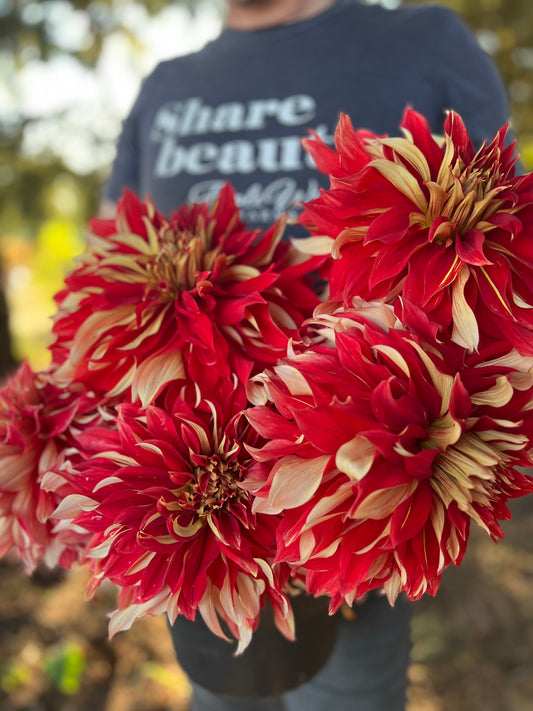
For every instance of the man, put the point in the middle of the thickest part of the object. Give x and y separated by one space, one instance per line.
260 14
236 111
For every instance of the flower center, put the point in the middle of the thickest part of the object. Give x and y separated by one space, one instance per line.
463 198
179 259
212 487
215 485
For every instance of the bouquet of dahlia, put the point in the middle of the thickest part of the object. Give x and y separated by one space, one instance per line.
209 432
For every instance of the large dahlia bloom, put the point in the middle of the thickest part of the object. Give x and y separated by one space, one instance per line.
39 423
380 451
172 524
445 227
195 297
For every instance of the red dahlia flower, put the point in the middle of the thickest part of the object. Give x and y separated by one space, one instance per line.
38 423
448 228
196 297
379 453
172 524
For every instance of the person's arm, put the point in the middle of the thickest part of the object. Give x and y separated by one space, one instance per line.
125 168
473 85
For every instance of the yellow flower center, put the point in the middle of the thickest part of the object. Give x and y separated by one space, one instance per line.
213 486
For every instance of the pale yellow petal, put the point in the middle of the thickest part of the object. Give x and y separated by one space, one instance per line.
354 458
403 181
465 329
411 153
294 380
394 355
497 396
382 502
155 372
321 245
73 505
295 480
94 326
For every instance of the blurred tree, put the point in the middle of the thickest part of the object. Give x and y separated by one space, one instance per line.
57 133
69 35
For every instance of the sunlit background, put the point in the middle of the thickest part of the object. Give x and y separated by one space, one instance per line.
69 71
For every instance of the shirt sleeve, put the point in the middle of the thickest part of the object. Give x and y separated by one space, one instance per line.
125 169
473 86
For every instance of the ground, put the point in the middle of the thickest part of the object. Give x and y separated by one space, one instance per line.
473 643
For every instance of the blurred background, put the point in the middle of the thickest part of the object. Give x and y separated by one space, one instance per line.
69 71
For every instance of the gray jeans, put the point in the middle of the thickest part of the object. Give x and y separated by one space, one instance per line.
367 670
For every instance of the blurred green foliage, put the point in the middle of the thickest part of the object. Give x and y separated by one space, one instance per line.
31 32
60 667
64 666
14 676
45 201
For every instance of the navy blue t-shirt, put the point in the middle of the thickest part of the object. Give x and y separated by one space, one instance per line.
237 110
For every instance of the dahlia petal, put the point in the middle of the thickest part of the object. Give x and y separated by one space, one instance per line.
245 637
391 226
465 328
207 609
386 266
316 245
497 396
455 128
73 505
382 502
393 587
249 592
94 325
411 154
295 480
402 180
154 373
262 506
415 126
411 515
445 431
294 380
470 247
394 356
122 383
284 620
51 481
520 302
151 326
325 430
16 469
355 458
307 545
122 620
269 423
507 222
324 157
323 509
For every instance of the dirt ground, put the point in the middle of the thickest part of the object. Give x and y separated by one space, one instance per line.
473 643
